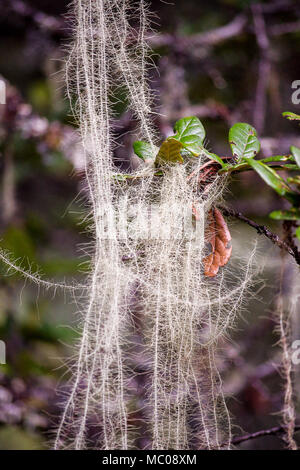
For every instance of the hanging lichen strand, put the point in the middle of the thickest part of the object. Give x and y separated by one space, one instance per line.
98 387
148 296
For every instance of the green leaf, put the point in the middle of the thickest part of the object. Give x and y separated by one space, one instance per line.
121 176
291 116
298 233
296 154
290 166
243 141
189 127
228 168
269 176
295 180
190 132
292 214
193 144
144 150
169 152
213 156
277 158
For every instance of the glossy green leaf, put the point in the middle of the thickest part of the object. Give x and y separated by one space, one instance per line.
123 176
120 177
296 154
291 214
295 180
190 132
227 168
144 150
298 233
213 156
193 144
277 158
189 127
269 176
290 166
291 116
243 141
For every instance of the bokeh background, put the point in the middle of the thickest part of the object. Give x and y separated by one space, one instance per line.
223 61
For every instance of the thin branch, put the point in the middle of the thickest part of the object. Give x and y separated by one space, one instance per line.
211 37
265 432
263 230
236 27
284 28
222 33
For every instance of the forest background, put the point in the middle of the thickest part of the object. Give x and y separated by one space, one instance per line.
223 61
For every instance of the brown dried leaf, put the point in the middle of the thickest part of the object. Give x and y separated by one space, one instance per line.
219 237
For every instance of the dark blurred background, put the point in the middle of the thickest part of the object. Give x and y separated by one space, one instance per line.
223 61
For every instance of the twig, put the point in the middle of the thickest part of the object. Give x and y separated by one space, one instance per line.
222 33
265 432
215 36
211 37
263 230
285 28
